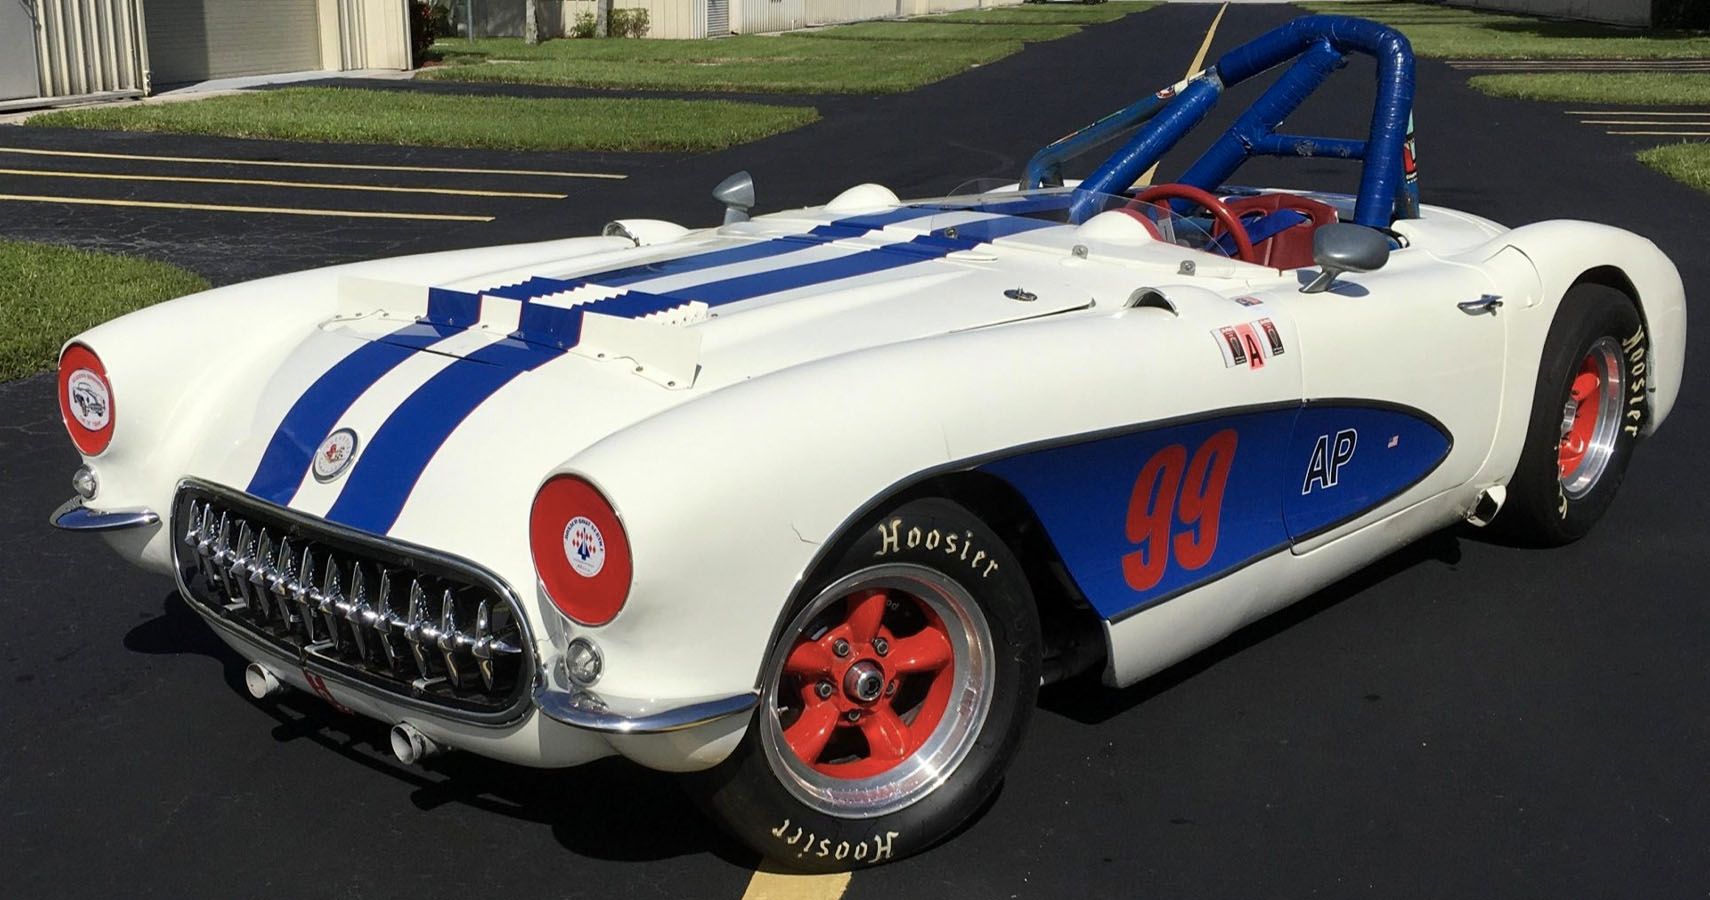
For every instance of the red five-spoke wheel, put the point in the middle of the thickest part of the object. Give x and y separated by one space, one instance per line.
879 689
1591 418
872 683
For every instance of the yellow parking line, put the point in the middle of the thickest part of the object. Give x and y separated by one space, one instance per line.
1195 66
307 165
318 185
768 884
1666 133
274 210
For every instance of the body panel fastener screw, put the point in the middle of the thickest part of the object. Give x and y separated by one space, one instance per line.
841 647
823 689
881 646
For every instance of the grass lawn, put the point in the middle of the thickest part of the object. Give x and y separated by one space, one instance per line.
1442 31
1042 14
1688 163
786 64
932 30
1624 88
54 292
435 120
864 57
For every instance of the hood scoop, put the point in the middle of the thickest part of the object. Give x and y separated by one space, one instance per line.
528 323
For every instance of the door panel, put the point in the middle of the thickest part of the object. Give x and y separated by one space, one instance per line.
1397 337
18 76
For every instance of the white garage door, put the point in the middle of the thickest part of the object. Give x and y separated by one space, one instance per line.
193 40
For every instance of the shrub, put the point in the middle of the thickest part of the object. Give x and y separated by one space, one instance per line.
584 25
631 22
421 31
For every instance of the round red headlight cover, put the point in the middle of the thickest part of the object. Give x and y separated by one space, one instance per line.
85 399
581 552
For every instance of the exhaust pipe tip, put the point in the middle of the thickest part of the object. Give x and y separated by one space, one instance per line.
261 681
411 746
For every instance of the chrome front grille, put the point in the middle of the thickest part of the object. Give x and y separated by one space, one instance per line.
427 628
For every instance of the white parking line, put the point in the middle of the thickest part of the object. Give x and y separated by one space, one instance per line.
316 185
1667 133
1641 122
84 154
1629 112
275 210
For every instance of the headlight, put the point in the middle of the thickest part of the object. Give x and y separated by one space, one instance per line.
581 552
85 399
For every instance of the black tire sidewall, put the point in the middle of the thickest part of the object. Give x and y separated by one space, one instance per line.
753 803
1540 512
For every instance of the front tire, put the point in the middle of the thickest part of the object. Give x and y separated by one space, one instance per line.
892 700
1587 413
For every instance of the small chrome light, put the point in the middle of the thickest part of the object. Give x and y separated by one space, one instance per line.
83 481
582 662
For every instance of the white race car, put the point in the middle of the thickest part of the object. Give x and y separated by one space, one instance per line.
808 505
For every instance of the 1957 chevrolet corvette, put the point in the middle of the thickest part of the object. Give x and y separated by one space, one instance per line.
808 505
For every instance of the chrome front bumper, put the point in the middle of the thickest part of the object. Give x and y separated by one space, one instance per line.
591 712
72 515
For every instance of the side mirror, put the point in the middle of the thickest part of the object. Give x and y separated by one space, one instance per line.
1345 247
737 195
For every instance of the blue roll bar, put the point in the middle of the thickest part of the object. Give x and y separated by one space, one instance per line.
1318 45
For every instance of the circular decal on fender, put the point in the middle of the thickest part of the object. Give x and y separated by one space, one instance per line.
90 404
585 547
334 455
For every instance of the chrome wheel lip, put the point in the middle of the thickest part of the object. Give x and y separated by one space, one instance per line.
1605 355
937 759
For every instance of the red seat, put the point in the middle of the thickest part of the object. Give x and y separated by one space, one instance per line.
1292 247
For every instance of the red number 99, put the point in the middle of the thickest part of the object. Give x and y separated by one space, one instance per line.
1151 512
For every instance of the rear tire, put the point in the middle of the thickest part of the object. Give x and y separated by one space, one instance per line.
1587 413
892 701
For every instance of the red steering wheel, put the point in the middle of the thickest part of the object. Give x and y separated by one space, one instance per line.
1230 222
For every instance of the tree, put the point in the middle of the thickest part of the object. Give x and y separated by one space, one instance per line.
602 18
531 23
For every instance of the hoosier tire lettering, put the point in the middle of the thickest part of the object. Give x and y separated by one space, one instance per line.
893 538
1635 349
822 848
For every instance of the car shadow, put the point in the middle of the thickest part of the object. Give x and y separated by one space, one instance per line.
631 801
1086 700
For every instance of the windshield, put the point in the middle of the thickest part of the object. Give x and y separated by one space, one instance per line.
972 211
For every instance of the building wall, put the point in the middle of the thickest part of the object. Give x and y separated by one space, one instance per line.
86 47
677 19
194 40
1620 12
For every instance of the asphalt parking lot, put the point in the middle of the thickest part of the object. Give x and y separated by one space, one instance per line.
1462 719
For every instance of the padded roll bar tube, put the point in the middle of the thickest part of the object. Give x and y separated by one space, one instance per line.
1320 42
1115 174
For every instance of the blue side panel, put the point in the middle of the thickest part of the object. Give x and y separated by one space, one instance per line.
1084 495
1347 459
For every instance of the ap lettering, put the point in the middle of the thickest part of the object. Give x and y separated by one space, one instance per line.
1329 455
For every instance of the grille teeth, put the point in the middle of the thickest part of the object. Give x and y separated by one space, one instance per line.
358 611
324 596
331 599
386 621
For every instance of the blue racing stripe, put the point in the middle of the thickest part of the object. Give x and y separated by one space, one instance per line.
306 424
388 469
